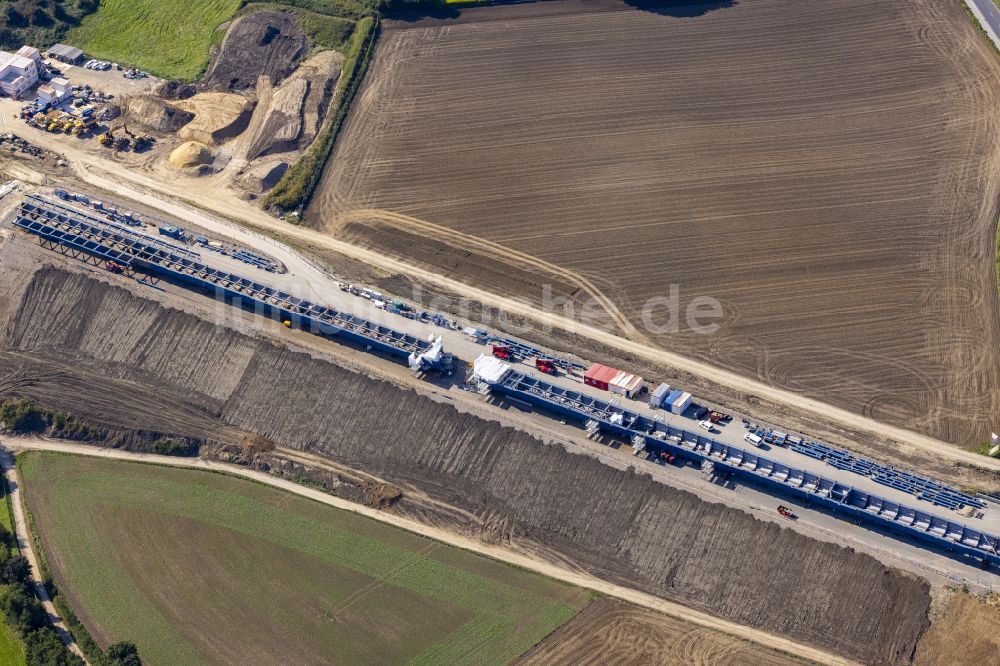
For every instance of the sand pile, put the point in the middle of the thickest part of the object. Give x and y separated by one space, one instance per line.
190 153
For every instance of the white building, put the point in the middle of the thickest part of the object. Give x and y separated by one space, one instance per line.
19 71
55 91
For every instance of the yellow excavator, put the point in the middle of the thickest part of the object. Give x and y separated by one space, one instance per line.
111 141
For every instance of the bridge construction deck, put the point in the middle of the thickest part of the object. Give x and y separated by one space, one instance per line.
655 434
66 227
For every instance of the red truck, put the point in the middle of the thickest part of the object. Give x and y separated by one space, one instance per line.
546 365
502 352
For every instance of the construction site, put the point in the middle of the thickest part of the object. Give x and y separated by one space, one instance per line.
723 498
133 356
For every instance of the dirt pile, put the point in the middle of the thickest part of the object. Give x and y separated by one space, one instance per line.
190 154
264 43
217 117
175 90
155 114
263 175
618 525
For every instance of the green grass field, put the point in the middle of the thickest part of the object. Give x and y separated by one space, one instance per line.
169 38
197 567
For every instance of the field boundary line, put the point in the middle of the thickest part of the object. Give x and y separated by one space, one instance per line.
586 581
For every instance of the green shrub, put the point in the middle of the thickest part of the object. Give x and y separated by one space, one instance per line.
22 416
173 447
45 648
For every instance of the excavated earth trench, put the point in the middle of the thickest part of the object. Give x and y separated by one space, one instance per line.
124 362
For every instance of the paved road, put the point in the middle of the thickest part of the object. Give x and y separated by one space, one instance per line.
26 545
989 16
518 559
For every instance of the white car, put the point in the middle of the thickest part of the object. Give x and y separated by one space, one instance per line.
707 425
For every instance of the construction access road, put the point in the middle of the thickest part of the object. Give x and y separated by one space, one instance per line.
203 204
573 577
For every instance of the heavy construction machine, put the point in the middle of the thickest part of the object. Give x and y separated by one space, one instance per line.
109 139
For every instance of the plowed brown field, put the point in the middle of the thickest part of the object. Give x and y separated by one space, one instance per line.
829 175
612 632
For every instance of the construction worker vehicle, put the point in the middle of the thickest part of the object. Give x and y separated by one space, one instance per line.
785 512
718 417
502 352
546 365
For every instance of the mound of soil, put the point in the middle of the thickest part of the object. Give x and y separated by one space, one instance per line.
217 117
175 90
190 153
263 176
155 114
264 43
289 115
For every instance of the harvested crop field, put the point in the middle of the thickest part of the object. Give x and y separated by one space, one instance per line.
612 632
137 548
830 177
454 468
967 634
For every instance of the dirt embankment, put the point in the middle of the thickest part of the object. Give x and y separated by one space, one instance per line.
618 525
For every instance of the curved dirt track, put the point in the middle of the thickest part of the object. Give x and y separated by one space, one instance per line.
495 251
830 177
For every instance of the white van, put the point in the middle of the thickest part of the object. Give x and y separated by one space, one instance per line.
753 439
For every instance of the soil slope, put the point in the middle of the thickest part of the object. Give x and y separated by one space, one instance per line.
829 176
632 530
